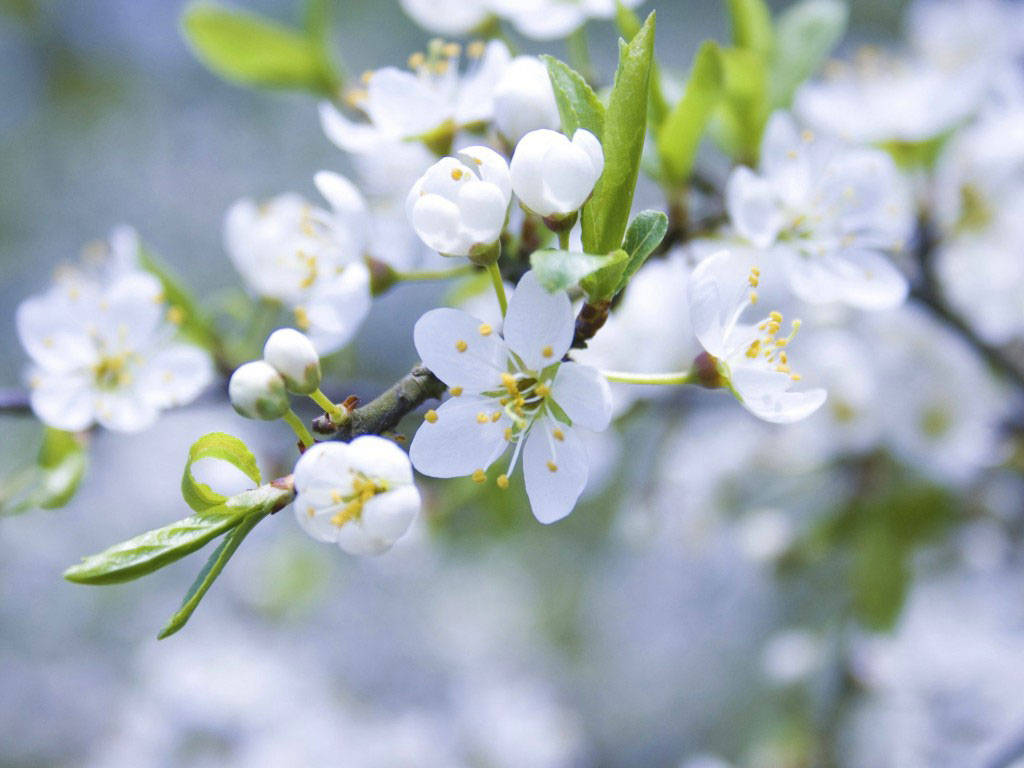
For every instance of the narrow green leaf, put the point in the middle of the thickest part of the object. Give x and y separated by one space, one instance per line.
560 270
604 283
606 214
743 111
216 445
51 482
246 48
682 130
154 549
578 105
209 573
645 233
192 321
751 25
806 33
629 24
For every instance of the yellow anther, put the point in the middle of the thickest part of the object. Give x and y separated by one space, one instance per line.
301 318
441 67
451 50
367 76
457 174
479 476
782 368
502 482
356 96
430 416
552 466
507 434
485 329
754 277
461 345
481 418
807 136
476 49
753 297
558 434
336 497
548 352
775 317
48 342
310 511
543 390
417 60
796 377
496 416
754 349
792 155
456 391
508 381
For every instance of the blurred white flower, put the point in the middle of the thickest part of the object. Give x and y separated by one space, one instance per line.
832 211
791 656
257 391
553 19
524 100
448 17
458 207
359 495
105 350
293 356
553 176
307 258
764 534
511 391
752 359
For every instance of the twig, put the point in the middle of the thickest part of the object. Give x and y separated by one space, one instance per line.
14 401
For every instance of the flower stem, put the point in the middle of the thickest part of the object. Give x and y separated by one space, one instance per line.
499 286
330 408
436 274
563 239
676 378
298 428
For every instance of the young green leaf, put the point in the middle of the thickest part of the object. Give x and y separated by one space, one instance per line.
246 48
806 33
629 24
216 445
603 284
154 549
606 214
51 482
560 270
680 134
578 105
645 233
209 573
743 111
752 25
191 320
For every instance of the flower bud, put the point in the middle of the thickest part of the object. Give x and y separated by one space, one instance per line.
460 205
553 176
293 356
524 100
257 391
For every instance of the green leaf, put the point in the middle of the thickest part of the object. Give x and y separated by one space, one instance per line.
51 482
216 445
209 573
806 33
743 110
246 48
880 577
604 283
578 105
751 25
645 233
154 549
680 134
560 270
606 214
191 320
629 24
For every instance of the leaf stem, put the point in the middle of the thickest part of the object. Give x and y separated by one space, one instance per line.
436 274
499 286
676 378
298 428
563 239
332 410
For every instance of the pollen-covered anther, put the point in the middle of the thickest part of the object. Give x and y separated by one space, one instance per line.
461 345
417 60
476 49
754 278
430 416
548 351
485 329
479 476
508 381
558 434
455 391
457 174
481 418
552 466
502 482
496 416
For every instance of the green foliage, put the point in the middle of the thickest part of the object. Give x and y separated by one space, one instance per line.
216 445
743 110
51 482
604 283
752 25
154 549
645 233
680 134
606 214
629 25
246 48
578 105
806 33
191 320
560 270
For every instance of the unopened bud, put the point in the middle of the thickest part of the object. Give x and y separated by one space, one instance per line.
293 356
257 391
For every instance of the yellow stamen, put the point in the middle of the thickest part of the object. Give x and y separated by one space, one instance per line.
430 416
485 329
456 391
548 352
496 416
502 482
552 466
479 476
461 345
558 434
456 174
481 418
543 390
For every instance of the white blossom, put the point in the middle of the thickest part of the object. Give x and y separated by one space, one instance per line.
511 390
553 176
359 495
257 391
833 211
104 350
293 356
524 99
448 17
307 258
753 359
553 19
459 206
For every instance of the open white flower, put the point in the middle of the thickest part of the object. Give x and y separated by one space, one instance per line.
833 211
524 99
511 390
553 176
458 207
753 359
307 258
358 495
553 19
106 352
448 17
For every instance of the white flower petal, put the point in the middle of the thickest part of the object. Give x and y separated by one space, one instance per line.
341 193
553 494
354 539
346 134
436 220
337 307
476 94
491 166
63 400
380 459
175 375
858 278
388 516
124 410
708 307
53 332
538 325
315 519
460 441
401 104
765 394
752 207
583 393
439 337
482 210
568 177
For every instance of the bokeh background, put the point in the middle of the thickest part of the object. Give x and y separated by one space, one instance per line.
483 639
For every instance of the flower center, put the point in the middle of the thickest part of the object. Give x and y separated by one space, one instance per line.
363 489
113 371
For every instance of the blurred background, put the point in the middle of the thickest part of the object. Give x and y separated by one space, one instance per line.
712 603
